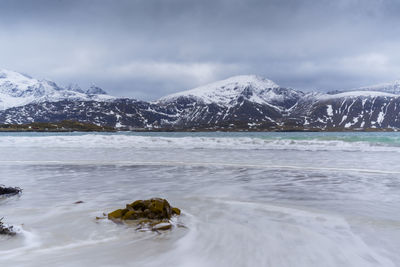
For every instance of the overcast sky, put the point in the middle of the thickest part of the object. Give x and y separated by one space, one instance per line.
149 48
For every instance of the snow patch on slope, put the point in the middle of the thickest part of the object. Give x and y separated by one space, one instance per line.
329 110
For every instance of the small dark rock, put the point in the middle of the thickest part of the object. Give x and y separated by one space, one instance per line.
6 230
9 190
78 202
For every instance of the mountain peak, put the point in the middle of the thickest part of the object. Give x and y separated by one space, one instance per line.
74 87
18 89
95 90
254 80
228 91
10 76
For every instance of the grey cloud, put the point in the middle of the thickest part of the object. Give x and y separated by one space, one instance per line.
146 49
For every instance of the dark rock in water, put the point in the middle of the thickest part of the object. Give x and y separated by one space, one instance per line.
152 213
6 230
10 190
78 202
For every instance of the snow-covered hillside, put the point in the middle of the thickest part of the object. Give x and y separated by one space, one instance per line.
355 94
18 89
390 87
228 92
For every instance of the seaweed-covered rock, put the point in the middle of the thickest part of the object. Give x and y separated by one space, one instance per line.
152 213
117 214
6 230
9 190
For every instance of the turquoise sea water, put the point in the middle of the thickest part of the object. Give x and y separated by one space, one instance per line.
390 138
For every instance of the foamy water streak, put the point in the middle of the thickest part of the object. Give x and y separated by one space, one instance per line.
188 142
180 163
272 235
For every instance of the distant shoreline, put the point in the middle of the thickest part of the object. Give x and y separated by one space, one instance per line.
283 129
62 126
30 130
75 126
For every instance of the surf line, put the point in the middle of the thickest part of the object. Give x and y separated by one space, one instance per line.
183 163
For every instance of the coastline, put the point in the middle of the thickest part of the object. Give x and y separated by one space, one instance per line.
24 130
62 126
75 126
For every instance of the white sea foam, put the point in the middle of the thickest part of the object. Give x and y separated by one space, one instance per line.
30 241
237 143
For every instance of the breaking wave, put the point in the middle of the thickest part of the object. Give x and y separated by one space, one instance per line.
239 142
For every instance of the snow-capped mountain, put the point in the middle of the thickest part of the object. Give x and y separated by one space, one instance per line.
18 89
245 99
231 91
244 102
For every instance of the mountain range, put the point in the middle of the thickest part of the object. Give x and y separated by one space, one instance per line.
245 102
